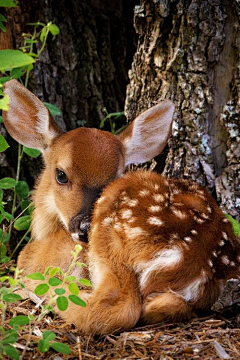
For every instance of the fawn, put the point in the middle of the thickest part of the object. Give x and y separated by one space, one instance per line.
159 249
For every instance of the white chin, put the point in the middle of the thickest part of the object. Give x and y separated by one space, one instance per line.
75 237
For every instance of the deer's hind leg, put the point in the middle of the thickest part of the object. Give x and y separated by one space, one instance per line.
167 306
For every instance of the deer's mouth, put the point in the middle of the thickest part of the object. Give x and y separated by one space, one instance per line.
79 227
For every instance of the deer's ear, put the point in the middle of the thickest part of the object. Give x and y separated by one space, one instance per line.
148 134
28 120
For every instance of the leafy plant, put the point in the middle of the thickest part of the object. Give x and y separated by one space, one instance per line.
235 224
112 117
56 282
8 4
17 64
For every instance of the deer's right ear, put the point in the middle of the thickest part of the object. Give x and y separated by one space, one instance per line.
28 120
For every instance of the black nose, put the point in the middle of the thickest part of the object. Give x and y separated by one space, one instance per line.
80 225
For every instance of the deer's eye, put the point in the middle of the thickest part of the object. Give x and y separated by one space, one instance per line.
61 177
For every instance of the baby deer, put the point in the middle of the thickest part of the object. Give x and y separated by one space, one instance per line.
158 249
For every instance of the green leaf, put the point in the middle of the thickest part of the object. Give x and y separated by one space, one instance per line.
19 320
8 216
3 251
235 224
34 153
3 144
2 81
76 300
22 189
62 303
4 236
60 347
36 276
27 207
10 351
4 102
44 33
73 288
10 337
9 298
48 335
41 289
54 271
18 72
54 281
22 223
60 291
8 3
1 118
70 278
54 29
85 282
54 110
7 183
10 59
2 19
43 345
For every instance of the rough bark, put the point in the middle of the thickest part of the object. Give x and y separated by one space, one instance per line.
188 51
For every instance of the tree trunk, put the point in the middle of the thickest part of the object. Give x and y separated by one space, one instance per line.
82 71
188 51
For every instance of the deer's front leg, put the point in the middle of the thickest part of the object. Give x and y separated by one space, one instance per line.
113 305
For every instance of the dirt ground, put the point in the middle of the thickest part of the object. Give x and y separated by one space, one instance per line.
211 337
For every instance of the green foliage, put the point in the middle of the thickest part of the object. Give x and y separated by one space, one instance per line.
48 281
235 225
11 59
112 117
3 144
17 64
9 4
46 342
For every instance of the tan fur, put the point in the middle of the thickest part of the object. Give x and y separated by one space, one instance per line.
159 249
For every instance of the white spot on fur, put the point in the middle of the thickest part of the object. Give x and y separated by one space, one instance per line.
214 253
198 220
224 235
125 200
144 192
225 260
107 221
232 263
179 214
210 263
158 197
194 232
133 218
164 259
153 220
221 243
133 232
225 220
188 238
209 209
205 216
117 226
154 208
133 202
156 187
126 214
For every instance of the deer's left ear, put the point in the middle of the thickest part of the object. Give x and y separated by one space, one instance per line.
148 134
